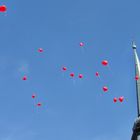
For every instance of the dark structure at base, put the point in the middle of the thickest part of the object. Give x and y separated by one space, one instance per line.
136 130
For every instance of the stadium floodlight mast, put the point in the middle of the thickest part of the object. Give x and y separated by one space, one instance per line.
136 127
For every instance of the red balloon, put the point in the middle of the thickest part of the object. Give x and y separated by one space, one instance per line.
64 68
3 8
39 104
97 73
24 78
40 50
81 44
104 62
137 77
121 99
115 99
105 89
33 96
80 75
72 74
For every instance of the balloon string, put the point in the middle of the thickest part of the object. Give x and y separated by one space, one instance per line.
110 70
62 74
5 14
74 82
100 79
82 50
34 104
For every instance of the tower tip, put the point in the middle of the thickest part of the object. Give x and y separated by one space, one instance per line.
133 45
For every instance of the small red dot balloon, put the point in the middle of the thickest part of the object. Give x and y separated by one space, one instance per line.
80 75
72 74
3 8
40 50
121 99
39 104
137 77
81 44
33 96
115 99
97 73
104 62
64 68
105 89
24 78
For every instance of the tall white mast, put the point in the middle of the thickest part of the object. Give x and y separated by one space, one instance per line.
137 73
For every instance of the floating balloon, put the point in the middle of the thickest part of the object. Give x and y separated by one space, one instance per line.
105 89
121 99
80 75
33 96
3 8
39 104
104 62
97 73
40 50
115 99
24 78
137 77
64 68
72 74
81 44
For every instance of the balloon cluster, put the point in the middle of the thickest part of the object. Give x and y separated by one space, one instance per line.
120 99
3 9
72 74
105 88
39 103
104 63
24 78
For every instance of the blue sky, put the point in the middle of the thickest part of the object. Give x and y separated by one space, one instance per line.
71 109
